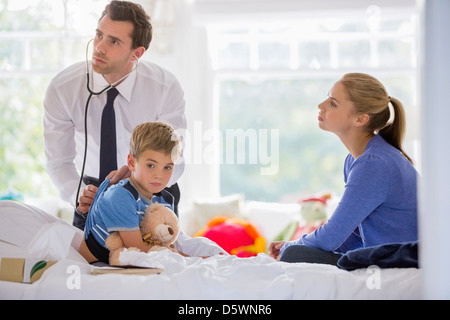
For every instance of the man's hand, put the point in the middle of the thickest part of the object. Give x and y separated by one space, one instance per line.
120 174
86 198
88 193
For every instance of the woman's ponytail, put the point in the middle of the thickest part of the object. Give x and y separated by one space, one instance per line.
394 130
370 97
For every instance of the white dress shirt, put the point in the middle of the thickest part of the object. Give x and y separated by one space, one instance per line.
149 93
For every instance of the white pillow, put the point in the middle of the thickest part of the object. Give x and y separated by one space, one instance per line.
19 222
271 218
36 232
204 210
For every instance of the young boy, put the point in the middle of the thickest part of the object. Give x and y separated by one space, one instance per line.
154 147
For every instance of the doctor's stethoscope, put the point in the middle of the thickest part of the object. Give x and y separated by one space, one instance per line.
93 93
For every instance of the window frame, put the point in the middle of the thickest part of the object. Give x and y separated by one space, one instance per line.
373 35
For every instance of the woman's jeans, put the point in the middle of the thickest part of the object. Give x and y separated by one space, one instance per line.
301 253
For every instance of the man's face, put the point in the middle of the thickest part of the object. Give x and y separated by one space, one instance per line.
113 56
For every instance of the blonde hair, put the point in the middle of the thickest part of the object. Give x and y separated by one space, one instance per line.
370 97
157 136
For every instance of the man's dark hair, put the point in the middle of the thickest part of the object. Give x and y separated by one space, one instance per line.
134 13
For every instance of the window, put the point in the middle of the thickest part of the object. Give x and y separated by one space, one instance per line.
271 75
37 40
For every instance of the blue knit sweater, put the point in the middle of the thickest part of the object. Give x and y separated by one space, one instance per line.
379 204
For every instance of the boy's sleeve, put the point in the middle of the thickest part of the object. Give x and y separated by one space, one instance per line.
118 208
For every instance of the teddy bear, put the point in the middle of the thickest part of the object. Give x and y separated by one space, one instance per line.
159 228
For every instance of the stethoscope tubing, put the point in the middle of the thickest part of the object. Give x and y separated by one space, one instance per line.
92 93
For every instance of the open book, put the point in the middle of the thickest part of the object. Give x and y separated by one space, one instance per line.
103 268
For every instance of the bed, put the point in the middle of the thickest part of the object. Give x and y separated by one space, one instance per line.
28 232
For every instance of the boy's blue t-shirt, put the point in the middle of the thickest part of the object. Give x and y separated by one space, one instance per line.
115 208
379 204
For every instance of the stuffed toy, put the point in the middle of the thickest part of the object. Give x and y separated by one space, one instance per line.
236 236
314 214
159 228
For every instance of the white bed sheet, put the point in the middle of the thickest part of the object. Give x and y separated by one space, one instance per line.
24 232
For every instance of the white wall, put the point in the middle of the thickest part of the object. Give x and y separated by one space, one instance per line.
434 216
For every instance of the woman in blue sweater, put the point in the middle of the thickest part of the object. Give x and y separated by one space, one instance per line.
379 204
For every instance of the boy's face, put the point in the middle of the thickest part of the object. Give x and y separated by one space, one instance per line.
151 172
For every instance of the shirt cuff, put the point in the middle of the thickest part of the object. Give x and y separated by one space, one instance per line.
288 244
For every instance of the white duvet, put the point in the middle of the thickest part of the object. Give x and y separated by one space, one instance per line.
28 232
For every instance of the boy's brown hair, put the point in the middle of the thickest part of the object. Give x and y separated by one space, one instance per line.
157 136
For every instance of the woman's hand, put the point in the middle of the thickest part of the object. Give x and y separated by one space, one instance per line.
274 249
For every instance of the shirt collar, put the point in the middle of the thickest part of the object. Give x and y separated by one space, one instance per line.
125 88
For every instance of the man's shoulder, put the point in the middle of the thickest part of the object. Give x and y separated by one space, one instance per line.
70 74
154 72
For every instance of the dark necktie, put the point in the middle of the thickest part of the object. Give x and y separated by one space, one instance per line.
108 150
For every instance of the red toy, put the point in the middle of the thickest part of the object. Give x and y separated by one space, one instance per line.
236 236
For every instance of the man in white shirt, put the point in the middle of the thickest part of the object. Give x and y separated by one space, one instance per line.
147 92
